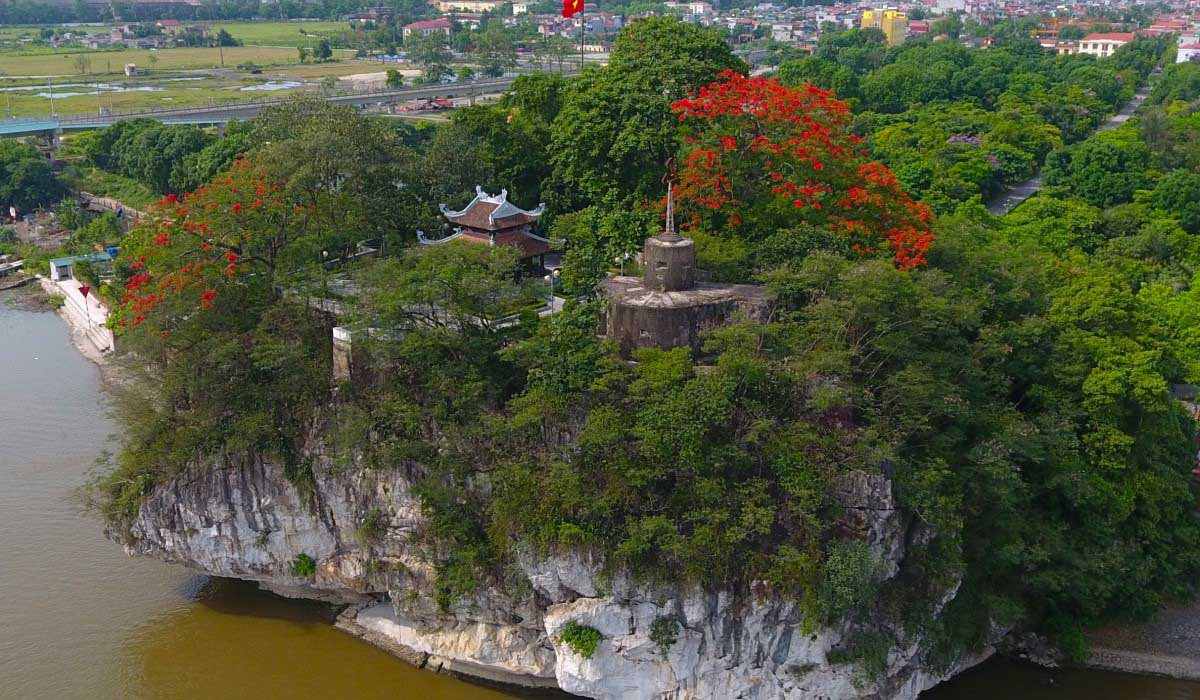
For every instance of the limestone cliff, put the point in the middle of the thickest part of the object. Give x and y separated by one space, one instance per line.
244 519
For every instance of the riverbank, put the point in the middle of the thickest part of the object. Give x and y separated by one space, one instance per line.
1166 646
88 334
377 625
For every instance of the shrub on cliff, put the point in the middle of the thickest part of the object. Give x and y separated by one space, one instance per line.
1014 388
582 639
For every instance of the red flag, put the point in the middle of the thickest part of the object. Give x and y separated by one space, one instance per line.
84 289
572 7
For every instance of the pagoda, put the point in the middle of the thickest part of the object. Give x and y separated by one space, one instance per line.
493 220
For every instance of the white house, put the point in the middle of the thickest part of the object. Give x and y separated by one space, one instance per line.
1103 45
1187 52
429 26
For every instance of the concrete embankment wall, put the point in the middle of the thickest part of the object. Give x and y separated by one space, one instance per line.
85 316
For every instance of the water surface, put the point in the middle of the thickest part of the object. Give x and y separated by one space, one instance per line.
81 621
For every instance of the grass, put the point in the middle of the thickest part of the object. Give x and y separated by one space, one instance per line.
98 182
281 33
173 95
217 87
104 62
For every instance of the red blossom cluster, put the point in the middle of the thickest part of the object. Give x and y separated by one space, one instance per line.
753 141
193 241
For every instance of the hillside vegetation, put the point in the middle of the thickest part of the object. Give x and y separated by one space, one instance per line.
1013 375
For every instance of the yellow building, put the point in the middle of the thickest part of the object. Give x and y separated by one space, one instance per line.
893 24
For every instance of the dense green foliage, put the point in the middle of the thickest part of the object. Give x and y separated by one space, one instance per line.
304 566
1016 389
954 123
616 129
26 181
143 149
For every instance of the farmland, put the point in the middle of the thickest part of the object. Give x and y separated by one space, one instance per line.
108 62
281 33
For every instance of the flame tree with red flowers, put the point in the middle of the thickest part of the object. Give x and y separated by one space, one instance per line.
232 232
759 157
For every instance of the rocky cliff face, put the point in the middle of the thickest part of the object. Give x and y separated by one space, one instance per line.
244 519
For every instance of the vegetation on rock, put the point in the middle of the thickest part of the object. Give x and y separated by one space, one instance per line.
1011 375
581 639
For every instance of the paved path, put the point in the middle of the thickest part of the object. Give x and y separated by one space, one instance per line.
1009 200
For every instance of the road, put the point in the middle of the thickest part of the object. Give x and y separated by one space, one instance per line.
1016 194
245 110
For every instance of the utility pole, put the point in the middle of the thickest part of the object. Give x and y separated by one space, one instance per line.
50 85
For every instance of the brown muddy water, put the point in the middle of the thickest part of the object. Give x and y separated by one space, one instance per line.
81 621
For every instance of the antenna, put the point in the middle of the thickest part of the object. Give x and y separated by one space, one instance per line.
669 233
670 208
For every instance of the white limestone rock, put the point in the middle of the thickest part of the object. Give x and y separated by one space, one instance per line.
244 519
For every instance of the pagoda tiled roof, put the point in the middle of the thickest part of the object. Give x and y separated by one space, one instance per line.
492 212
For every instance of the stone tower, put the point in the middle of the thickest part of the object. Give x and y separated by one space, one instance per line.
668 307
670 259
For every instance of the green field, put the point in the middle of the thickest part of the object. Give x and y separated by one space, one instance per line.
207 92
111 62
268 45
281 33
286 34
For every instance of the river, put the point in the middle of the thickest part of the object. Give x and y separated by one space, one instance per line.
81 621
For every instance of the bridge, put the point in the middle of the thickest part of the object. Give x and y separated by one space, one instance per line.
220 114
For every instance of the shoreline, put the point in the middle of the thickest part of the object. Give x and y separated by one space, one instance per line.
1167 645
77 328
377 635
1156 664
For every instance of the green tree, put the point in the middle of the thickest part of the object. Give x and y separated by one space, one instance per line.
1178 196
616 130
822 73
1071 32
494 50
430 52
26 180
323 52
1105 170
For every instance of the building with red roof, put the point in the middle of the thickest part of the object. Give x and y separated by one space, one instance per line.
429 26
1187 52
1104 44
493 220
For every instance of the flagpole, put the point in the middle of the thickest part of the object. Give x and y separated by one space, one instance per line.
582 26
